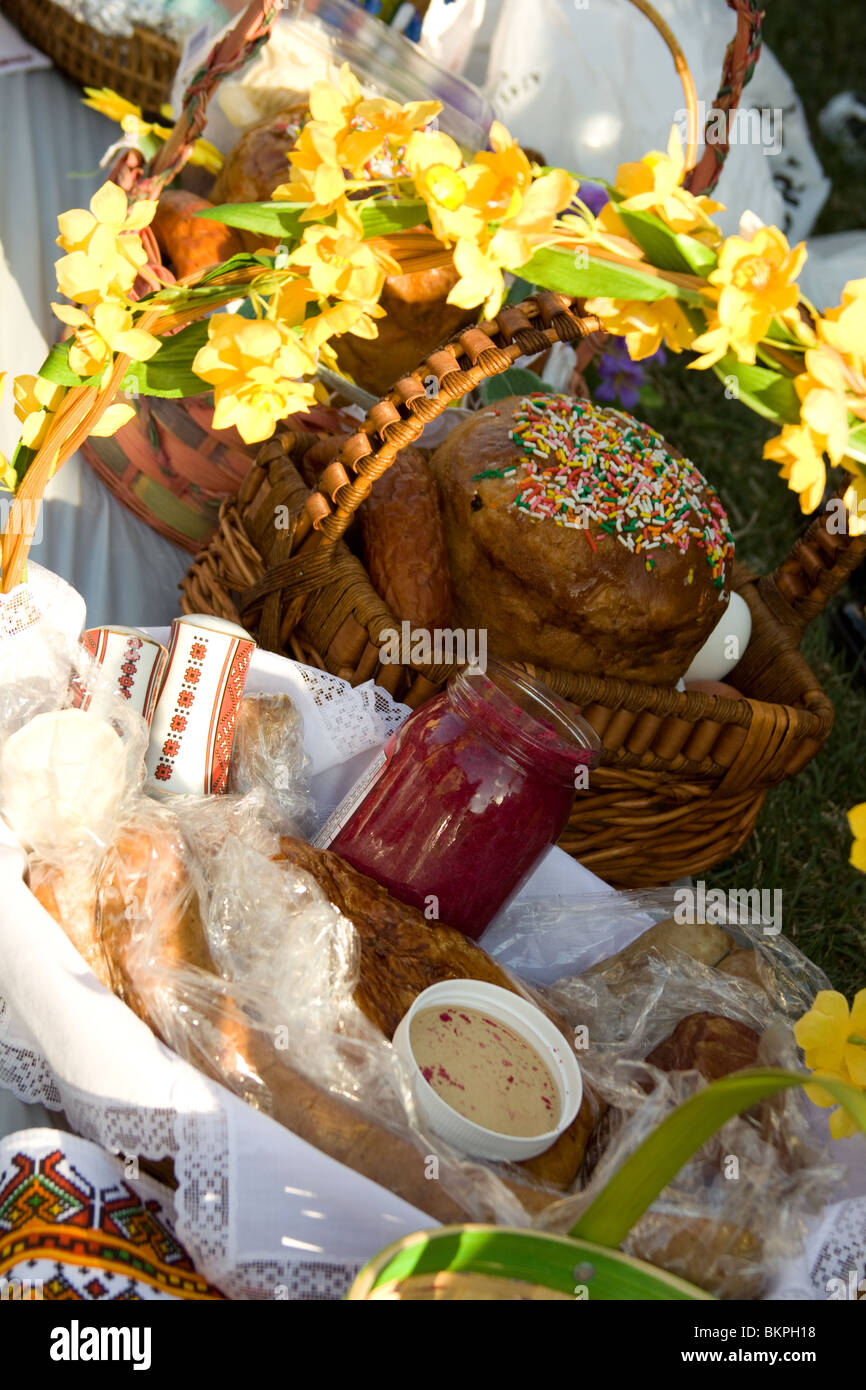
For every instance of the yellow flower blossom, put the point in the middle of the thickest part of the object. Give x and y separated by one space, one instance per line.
480 280
317 179
332 104
8 476
833 1039
654 184
35 403
381 127
343 266
254 366
844 328
755 281
129 117
435 163
505 176
99 336
854 498
857 822
645 324
800 452
822 389
104 251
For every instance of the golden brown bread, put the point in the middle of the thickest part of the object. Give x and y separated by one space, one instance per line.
188 243
259 163
402 953
708 1043
146 864
71 900
404 543
717 1256
576 597
417 321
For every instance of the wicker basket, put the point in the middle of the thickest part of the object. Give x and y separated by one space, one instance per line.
683 776
140 68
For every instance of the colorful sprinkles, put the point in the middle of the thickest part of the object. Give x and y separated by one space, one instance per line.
581 463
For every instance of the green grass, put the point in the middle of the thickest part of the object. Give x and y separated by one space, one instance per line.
802 842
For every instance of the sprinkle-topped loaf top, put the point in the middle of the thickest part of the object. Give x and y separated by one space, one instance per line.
581 463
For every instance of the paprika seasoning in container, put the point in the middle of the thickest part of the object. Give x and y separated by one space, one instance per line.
480 782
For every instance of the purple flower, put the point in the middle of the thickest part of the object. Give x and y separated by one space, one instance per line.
594 197
620 379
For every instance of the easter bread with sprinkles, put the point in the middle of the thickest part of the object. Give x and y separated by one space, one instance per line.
580 540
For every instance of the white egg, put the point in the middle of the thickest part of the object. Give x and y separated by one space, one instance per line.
725 645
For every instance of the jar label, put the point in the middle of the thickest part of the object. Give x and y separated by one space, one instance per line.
354 796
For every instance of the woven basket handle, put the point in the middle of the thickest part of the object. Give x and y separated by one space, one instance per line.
819 565
482 351
740 58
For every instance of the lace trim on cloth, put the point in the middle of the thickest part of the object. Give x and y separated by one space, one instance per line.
356 718
198 1145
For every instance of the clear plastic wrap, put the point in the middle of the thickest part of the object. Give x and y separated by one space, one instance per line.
268 1005
268 751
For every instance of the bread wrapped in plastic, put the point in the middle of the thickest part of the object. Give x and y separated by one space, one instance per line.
268 751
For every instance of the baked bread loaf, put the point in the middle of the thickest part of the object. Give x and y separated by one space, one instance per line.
145 875
404 543
709 1043
417 320
259 162
580 541
402 953
188 243
70 898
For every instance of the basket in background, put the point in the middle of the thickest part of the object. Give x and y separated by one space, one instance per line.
683 776
140 66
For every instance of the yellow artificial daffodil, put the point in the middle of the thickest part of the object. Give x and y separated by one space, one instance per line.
854 498
645 324
857 822
844 328
379 132
480 280
833 1039
654 184
505 176
254 366
822 389
317 179
129 117
435 163
333 104
104 251
99 336
756 283
800 452
341 265
35 402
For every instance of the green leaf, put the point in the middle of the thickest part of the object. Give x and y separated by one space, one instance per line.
379 217
56 368
667 249
21 461
767 392
553 268
169 372
558 1263
647 1172
519 290
514 381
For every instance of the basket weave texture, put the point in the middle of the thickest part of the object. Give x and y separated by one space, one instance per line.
683 776
140 67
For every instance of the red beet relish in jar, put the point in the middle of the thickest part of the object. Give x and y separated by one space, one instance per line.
480 783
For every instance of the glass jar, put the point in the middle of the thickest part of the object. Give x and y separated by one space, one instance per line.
480 782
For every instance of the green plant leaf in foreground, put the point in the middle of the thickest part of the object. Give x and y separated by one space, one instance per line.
514 381
554 268
553 1262
646 1172
666 249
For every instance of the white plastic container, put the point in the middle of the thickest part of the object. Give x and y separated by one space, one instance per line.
527 1020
